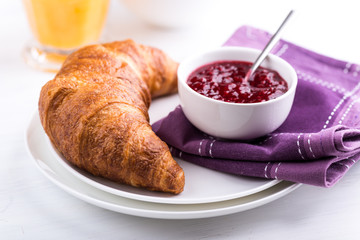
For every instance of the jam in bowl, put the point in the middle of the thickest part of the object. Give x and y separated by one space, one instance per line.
225 81
216 99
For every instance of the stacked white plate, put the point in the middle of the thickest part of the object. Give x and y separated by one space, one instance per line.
207 193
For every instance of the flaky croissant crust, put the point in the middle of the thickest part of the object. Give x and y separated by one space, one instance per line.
95 112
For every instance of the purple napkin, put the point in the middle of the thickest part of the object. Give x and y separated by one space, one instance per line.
317 144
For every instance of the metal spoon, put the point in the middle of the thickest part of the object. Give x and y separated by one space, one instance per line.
274 39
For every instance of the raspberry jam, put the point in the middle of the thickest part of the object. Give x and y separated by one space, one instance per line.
224 80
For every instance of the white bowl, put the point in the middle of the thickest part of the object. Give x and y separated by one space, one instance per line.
235 120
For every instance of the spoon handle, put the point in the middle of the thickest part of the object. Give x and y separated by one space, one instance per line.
274 39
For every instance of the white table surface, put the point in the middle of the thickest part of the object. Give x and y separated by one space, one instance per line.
32 207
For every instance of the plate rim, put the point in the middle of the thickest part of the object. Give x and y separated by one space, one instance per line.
154 199
96 181
175 212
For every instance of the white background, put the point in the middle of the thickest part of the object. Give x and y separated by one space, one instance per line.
31 207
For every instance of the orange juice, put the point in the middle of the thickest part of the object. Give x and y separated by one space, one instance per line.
66 24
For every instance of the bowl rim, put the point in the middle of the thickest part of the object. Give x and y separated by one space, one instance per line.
183 80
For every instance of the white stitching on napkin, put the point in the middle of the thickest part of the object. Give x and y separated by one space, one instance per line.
347 68
249 33
267 139
309 142
343 164
321 82
210 148
334 110
298 145
201 142
265 170
282 50
276 170
357 70
348 94
348 110
271 137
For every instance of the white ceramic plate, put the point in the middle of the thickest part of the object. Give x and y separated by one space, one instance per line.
36 142
202 185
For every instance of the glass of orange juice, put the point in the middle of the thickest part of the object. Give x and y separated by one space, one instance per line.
60 27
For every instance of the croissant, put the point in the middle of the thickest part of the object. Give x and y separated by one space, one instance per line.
95 112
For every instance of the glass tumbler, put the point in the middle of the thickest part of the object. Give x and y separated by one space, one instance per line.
60 27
